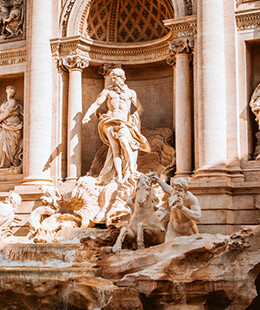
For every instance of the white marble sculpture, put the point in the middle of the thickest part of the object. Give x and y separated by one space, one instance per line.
255 107
11 130
184 207
7 213
144 223
54 215
119 129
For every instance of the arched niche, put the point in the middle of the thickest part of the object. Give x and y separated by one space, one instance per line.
74 12
142 57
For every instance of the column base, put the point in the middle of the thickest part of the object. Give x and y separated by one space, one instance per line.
182 174
211 174
37 180
71 179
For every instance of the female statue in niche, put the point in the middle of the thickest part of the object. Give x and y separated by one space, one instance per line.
11 127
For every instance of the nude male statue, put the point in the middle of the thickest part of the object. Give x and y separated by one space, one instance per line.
119 129
185 209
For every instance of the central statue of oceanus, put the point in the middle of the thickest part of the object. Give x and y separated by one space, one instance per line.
119 129
105 196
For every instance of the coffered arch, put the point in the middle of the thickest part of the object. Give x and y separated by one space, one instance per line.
75 12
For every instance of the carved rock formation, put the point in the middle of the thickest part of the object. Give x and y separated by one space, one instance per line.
193 272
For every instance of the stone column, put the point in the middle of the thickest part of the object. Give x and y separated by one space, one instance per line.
182 49
211 87
75 64
38 94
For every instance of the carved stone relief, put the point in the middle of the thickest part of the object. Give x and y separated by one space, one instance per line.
248 20
11 18
11 132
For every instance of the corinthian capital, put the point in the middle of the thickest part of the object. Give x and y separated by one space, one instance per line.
76 61
182 46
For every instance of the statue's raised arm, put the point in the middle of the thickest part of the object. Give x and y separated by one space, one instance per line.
93 108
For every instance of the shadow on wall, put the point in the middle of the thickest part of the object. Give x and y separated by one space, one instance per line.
255 304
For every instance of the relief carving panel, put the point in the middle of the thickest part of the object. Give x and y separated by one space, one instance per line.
11 19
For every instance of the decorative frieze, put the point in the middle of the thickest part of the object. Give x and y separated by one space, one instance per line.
247 20
113 53
66 17
12 57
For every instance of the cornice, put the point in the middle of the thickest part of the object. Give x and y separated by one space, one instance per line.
184 27
12 57
123 53
248 19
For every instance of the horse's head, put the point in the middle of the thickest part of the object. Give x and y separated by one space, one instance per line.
144 190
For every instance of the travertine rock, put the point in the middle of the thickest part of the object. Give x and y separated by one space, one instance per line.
194 272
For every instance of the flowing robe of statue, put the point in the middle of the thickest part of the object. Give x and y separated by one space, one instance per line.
131 132
11 126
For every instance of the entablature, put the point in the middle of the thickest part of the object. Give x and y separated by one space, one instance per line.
248 19
116 53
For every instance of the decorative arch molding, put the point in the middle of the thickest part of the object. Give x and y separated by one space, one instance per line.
75 12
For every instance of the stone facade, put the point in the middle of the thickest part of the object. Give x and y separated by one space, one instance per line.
194 65
200 95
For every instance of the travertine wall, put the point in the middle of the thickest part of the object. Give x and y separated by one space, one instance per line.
93 83
154 87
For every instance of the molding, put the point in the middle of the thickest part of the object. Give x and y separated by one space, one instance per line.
248 19
238 2
12 57
185 27
114 53
66 17
183 32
